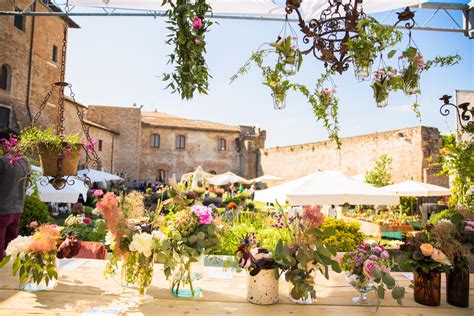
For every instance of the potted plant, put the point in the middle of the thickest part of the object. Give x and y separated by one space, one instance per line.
262 281
289 55
373 38
368 268
301 253
427 264
452 237
385 80
34 258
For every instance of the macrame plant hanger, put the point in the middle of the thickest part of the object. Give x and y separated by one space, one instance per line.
59 180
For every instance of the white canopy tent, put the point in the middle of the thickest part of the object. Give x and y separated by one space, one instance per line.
326 187
47 193
359 177
197 175
266 178
227 178
98 176
414 188
309 8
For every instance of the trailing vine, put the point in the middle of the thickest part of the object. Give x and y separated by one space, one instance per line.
188 26
323 100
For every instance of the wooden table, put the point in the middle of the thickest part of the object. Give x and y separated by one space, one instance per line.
84 287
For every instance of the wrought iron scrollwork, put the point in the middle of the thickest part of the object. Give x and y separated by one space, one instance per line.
329 34
464 112
408 17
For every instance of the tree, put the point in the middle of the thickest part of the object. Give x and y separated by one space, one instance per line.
380 175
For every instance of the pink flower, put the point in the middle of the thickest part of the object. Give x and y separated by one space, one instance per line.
470 223
401 57
90 144
86 220
368 268
294 37
384 255
333 90
204 213
373 257
33 224
98 193
381 72
394 71
197 23
294 47
197 41
377 249
468 229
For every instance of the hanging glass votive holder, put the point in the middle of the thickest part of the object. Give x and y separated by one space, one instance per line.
279 101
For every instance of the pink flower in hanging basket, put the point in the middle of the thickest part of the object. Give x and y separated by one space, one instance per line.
91 144
197 41
197 23
294 47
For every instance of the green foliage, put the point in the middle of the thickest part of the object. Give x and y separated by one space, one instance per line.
385 80
288 54
457 160
445 214
34 210
243 196
32 136
408 204
234 199
373 38
191 71
93 231
380 175
346 236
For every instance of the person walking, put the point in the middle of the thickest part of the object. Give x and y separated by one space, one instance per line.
332 211
13 182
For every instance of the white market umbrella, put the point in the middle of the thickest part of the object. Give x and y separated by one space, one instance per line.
359 177
227 178
69 194
98 176
197 175
333 187
266 178
414 188
278 192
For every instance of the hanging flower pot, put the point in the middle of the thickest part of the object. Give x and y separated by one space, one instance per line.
427 289
290 57
412 64
385 80
279 101
457 286
362 68
68 162
262 289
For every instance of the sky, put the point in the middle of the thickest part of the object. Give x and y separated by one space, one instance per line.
120 61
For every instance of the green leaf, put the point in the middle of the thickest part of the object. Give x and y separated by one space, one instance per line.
388 280
391 53
376 273
457 219
381 292
398 293
4 261
16 265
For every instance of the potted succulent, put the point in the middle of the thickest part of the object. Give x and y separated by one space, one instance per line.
290 57
385 80
303 254
262 281
368 268
427 264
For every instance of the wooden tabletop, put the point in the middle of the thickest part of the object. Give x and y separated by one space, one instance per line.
82 288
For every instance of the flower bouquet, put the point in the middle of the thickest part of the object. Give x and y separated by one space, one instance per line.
191 233
367 269
385 80
427 264
413 64
34 258
326 97
262 284
290 57
303 253
132 243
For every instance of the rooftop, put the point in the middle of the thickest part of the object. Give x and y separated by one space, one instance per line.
159 119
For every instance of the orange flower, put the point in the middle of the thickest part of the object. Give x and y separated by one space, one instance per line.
44 239
231 205
427 249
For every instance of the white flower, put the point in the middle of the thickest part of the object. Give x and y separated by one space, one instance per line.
142 243
18 246
109 239
157 234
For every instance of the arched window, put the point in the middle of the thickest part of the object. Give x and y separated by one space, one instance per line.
155 141
180 142
5 77
222 144
161 175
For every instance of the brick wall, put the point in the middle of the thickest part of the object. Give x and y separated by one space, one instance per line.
409 148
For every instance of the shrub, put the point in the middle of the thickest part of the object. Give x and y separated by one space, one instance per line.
234 199
250 206
34 210
347 235
243 196
216 201
445 214
88 211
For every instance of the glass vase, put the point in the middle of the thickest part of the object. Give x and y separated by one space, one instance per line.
457 287
363 285
279 101
262 289
411 83
29 285
427 289
362 69
381 99
187 277
137 273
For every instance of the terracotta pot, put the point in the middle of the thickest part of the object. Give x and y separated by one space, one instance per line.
49 161
457 287
262 289
427 290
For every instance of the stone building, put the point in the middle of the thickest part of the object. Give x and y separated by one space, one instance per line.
30 58
413 151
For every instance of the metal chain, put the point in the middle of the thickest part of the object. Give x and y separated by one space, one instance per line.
43 104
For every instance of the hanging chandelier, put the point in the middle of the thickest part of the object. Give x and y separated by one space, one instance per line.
328 35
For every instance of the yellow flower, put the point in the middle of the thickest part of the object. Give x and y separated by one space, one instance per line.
427 249
440 257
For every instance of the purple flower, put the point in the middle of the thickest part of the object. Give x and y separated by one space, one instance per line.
377 249
384 255
373 257
470 223
204 213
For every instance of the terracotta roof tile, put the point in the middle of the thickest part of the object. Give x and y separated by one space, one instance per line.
167 120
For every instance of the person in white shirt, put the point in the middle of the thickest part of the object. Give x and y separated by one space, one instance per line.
332 211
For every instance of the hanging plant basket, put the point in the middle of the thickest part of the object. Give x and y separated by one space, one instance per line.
49 160
411 83
362 68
